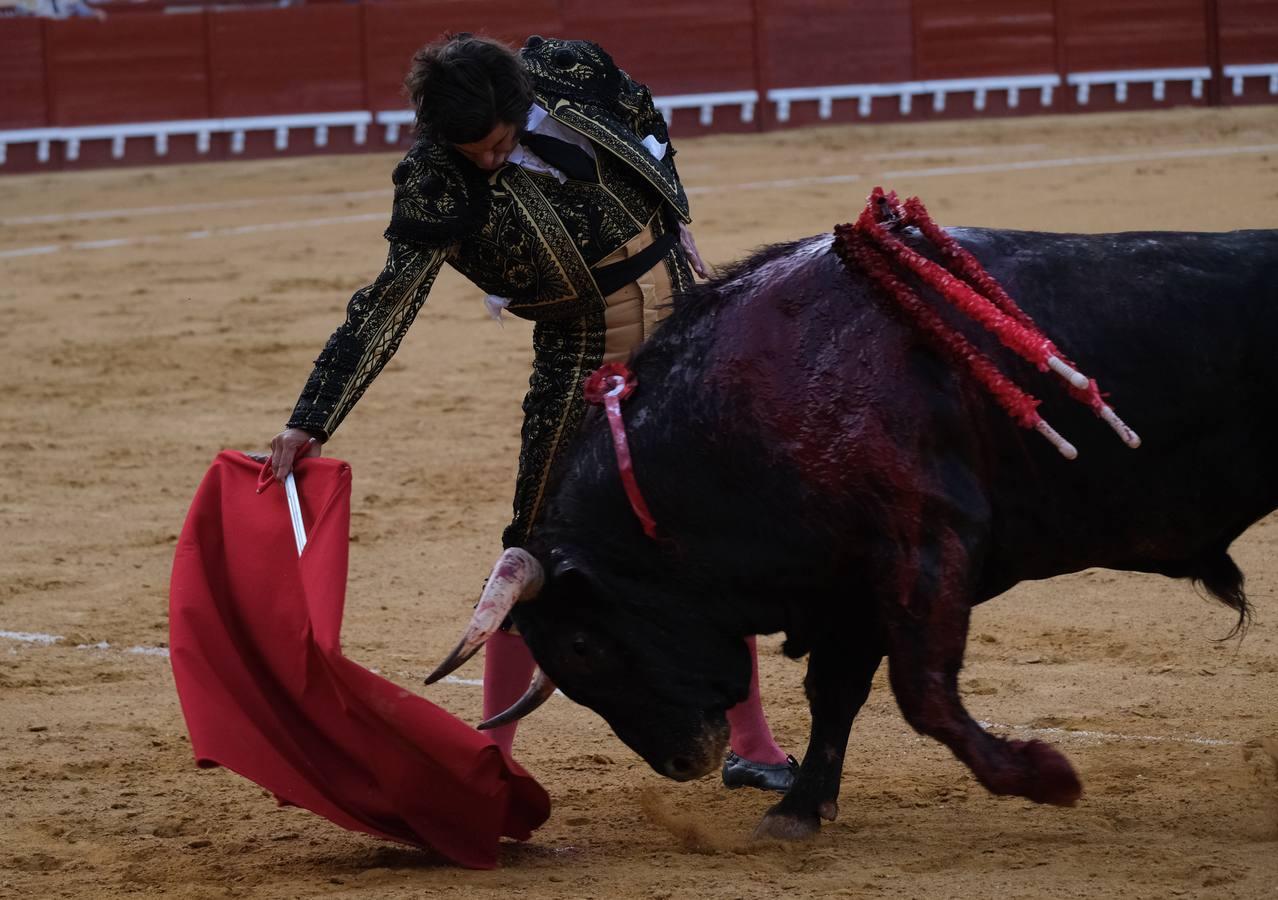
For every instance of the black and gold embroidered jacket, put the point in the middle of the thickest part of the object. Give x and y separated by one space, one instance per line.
523 236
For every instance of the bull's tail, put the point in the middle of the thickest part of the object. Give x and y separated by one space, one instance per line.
1219 576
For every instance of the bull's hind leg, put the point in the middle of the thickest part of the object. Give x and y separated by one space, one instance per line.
927 634
837 685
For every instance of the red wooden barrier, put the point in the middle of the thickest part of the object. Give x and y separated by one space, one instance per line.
817 42
1100 35
302 59
126 69
675 47
147 66
394 31
1248 31
980 38
1134 34
22 86
1248 34
804 43
983 39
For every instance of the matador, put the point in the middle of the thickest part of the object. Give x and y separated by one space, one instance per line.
547 178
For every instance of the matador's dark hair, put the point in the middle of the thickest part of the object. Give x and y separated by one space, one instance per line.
463 86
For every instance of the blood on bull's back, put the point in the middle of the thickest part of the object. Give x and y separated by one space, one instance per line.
794 350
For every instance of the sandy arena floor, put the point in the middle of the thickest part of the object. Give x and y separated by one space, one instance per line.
126 364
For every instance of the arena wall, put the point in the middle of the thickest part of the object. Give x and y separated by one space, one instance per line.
22 83
326 77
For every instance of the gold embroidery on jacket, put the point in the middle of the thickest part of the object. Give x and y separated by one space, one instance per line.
606 132
560 418
377 317
522 236
557 238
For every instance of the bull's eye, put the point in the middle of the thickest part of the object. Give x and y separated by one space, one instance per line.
579 646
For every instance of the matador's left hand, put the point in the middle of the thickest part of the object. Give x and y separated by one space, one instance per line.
690 248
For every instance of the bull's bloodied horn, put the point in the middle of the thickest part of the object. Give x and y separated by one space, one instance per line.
538 693
516 576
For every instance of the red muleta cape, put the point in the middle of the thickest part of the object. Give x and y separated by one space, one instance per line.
255 642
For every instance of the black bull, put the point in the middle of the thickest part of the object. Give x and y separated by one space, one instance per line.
816 469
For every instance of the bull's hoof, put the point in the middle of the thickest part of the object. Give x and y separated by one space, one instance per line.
1051 777
778 826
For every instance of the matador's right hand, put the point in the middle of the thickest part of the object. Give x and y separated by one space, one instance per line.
288 446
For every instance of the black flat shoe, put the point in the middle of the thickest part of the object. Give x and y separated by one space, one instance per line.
739 772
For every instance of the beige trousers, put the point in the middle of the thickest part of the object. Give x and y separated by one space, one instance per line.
633 311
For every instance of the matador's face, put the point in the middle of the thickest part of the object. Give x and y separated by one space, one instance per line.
491 152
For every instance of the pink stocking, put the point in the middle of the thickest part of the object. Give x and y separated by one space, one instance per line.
508 668
751 737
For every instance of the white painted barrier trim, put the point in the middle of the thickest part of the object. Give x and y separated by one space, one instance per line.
1261 70
747 100
705 104
395 119
906 91
203 129
1084 81
392 120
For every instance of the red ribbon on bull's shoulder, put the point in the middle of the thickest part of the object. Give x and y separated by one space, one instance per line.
608 386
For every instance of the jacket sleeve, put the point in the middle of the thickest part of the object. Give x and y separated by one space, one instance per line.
377 318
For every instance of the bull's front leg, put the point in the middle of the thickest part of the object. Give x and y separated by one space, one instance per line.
927 634
837 685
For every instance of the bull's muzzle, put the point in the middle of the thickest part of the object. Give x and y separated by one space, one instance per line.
699 756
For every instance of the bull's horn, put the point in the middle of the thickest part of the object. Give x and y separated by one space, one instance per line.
538 693
516 576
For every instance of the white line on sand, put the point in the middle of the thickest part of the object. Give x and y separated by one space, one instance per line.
31 251
46 640
954 151
135 211
31 637
773 185
470 682
1016 166
776 184
1070 161
193 235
